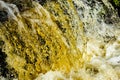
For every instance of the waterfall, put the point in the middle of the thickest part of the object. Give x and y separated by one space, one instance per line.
59 39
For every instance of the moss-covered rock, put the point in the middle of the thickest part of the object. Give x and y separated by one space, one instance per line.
116 5
117 2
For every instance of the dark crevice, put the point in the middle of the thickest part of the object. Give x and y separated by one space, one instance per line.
3 16
42 2
42 41
60 26
4 70
3 64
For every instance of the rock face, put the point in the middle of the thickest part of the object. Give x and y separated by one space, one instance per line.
59 39
21 5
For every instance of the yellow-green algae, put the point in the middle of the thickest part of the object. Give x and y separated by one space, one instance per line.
44 38
117 2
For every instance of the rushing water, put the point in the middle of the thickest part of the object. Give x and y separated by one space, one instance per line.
60 40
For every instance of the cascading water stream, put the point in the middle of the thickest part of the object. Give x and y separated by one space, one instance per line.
59 40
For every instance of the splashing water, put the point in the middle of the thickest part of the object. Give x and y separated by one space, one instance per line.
62 40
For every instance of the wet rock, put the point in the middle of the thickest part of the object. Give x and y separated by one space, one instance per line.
3 16
42 2
3 64
116 5
1 43
4 70
21 4
110 15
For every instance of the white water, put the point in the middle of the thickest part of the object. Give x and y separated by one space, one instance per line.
105 51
